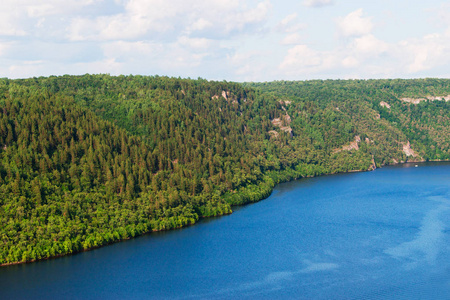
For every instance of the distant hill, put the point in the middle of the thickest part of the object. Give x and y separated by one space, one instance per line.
90 160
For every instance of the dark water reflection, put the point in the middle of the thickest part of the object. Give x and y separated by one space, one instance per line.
374 235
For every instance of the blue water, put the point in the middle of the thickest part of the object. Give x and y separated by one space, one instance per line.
373 235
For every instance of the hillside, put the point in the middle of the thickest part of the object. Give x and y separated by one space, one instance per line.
90 160
387 111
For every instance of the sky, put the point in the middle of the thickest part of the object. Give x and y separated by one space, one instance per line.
233 40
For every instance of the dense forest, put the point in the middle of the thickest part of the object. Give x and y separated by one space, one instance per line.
89 160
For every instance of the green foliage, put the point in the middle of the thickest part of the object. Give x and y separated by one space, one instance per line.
90 160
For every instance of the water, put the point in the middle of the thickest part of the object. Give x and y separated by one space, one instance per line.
374 235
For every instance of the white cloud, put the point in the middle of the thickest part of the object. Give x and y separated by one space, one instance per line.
142 19
301 59
129 52
288 19
180 38
10 24
357 58
426 53
241 58
317 3
369 57
303 62
350 62
369 44
195 43
361 54
183 37
200 24
22 70
42 8
4 46
354 24
25 17
422 55
292 39
117 27
250 65
290 24
440 14
184 57
291 27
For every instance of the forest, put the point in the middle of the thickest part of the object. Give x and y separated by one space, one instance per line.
90 160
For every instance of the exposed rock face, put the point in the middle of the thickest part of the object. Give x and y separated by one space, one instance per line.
278 122
285 102
408 151
225 95
353 145
374 165
430 98
385 104
287 118
273 133
412 100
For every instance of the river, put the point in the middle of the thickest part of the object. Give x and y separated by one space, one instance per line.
373 235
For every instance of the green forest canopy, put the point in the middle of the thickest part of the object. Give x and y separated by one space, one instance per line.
90 160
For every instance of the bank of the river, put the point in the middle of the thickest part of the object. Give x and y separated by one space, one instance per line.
237 200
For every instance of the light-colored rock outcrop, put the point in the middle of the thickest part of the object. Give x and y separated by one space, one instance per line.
284 120
273 133
225 95
352 146
385 104
408 150
430 98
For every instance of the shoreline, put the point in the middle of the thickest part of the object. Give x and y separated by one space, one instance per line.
240 205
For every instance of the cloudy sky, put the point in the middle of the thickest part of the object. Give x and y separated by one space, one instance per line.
234 40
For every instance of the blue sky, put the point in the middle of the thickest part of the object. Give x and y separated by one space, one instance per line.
246 40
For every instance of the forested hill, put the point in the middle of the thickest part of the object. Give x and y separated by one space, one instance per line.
386 111
90 160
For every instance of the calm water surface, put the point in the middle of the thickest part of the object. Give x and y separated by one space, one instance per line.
375 235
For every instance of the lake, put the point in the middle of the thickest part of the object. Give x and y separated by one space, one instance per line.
373 235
